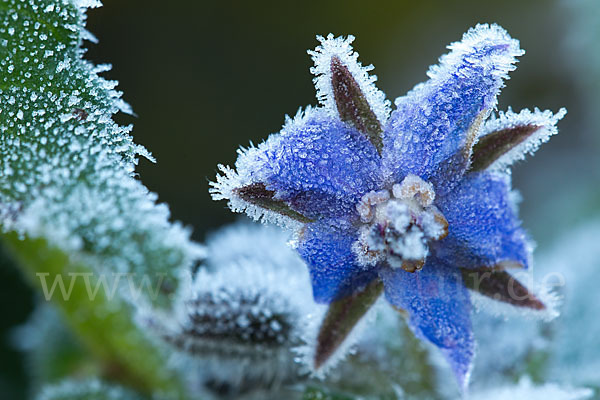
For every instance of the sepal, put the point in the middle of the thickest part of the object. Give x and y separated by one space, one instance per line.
352 105
257 194
341 317
501 286
509 137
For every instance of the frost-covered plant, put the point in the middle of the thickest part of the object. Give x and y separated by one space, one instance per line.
71 209
67 167
564 351
415 202
380 198
235 327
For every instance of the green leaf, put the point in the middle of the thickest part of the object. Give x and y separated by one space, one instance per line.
67 166
105 326
341 318
352 104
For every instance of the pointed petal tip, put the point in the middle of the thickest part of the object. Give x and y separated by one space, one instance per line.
460 358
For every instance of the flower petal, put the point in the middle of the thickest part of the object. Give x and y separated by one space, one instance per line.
440 118
483 227
326 246
318 165
439 309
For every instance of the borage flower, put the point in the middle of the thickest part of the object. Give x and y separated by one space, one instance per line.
414 202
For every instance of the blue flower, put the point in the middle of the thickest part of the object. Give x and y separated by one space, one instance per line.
416 200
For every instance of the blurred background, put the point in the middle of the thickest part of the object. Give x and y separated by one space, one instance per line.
206 77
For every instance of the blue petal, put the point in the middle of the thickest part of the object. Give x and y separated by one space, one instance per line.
326 246
483 228
439 308
432 123
320 165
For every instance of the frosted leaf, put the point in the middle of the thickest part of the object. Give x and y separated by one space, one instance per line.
502 286
525 132
539 293
341 49
68 167
102 227
525 389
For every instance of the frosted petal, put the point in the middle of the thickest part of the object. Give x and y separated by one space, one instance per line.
439 309
441 117
326 246
317 164
483 228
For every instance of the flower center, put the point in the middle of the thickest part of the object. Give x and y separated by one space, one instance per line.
398 226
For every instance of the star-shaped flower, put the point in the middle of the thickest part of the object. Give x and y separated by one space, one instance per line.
415 202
